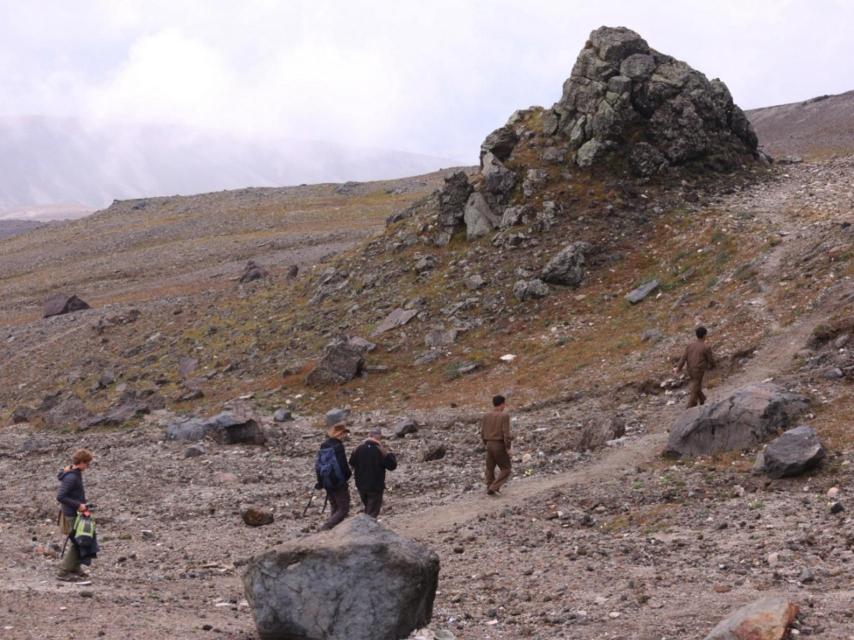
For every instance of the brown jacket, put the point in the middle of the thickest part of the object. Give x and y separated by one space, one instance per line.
495 426
698 358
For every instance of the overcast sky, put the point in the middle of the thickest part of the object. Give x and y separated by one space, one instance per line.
429 76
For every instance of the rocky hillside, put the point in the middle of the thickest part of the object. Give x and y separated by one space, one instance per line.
816 128
566 272
9 228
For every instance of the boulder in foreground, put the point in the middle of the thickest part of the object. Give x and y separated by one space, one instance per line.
765 619
796 451
359 580
744 419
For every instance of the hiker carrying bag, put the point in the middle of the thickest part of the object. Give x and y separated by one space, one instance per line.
328 469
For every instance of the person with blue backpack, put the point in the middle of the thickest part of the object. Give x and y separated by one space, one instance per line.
333 474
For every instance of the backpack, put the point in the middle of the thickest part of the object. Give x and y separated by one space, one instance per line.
328 469
83 531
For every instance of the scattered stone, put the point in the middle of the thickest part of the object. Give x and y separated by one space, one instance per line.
425 264
833 373
652 335
22 414
765 619
530 289
475 282
433 452
195 450
796 451
436 338
60 304
836 507
296 589
396 318
256 517
833 492
339 364
637 295
361 345
404 427
252 271
479 217
567 266
106 379
336 416
742 420
293 272
283 415
187 367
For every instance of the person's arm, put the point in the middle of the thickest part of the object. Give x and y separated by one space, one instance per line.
69 481
353 458
390 461
682 361
505 431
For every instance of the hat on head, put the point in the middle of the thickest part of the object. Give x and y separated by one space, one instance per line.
337 430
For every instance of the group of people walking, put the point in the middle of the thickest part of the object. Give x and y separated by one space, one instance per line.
368 462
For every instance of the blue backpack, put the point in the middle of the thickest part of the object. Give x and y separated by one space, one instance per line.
327 468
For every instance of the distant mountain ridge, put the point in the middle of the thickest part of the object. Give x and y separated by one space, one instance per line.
817 127
49 161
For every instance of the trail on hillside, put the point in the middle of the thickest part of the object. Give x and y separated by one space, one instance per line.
770 359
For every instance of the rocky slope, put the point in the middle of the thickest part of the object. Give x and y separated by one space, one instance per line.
816 128
512 278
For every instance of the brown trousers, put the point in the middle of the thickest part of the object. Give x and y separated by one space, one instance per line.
339 505
695 391
373 501
496 455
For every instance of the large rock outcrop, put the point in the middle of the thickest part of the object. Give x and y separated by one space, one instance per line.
625 98
765 619
744 419
359 580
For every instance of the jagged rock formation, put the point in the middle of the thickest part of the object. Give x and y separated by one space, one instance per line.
626 108
625 97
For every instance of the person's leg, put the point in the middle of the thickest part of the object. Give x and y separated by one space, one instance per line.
490 466
502 459
339 500
71 559
365 497
374 503
694 393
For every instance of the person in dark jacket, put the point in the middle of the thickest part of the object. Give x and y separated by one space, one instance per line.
370 461
334 477
697 359
72 499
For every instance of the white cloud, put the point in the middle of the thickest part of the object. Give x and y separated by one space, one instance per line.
432 77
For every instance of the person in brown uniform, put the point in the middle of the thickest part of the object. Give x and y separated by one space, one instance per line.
697 359
496 436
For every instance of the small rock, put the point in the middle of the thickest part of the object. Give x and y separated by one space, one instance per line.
404 426
256 517
433 452
195 450
637 295
837 507
334 416
282 415
833 492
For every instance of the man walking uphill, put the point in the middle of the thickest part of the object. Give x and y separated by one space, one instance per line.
333 474
496 436
370 461
697 359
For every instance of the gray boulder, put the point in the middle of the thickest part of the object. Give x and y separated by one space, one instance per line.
567 265
404 426
451 204
796 451
393 320
359 580
498 179
530 289
61 303
224 428
626 99
742 420
340 363
479 217
253 271
439 337
637 295
499 143
283 415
